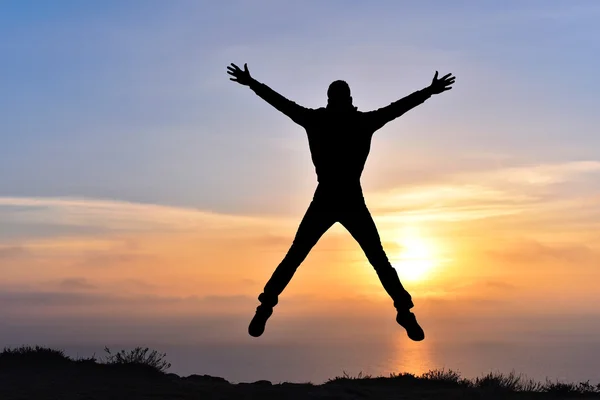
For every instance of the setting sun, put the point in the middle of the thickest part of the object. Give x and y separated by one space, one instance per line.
417 256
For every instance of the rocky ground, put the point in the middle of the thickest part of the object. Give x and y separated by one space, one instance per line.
93 383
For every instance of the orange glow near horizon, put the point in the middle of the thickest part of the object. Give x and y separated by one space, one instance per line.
474 249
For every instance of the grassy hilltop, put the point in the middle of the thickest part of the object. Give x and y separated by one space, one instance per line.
44 373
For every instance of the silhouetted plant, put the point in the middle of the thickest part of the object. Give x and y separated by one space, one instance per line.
87 360
442 377
586 387
32 356
571 388
510 382
560 388
446 377
347 377
139 356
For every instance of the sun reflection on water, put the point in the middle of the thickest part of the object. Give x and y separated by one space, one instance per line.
412 357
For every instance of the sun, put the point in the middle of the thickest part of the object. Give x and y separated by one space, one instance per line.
416 258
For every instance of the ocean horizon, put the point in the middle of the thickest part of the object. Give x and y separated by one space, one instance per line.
555 360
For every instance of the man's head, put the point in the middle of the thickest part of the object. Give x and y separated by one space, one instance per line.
338 94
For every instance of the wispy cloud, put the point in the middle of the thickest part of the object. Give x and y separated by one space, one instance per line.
76 284
533 252
12 252
120 215
541 174
488 193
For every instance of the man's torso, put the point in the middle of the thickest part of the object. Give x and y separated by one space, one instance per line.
339 143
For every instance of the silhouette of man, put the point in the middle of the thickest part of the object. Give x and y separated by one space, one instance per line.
339 138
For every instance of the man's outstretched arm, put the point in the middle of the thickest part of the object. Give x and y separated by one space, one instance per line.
296 112
382 116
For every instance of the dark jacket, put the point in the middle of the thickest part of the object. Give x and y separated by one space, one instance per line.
339 138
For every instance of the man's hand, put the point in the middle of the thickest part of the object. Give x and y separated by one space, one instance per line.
441 85
239 76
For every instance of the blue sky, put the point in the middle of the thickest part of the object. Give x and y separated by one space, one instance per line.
130 100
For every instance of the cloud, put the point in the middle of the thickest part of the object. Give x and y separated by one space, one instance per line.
540 174
69 284
479 289
490 192
533 252
132 284
109 259
12 252
446 202
72 296
109 287
270 241
500 285
122 216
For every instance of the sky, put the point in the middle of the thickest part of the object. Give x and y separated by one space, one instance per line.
146 197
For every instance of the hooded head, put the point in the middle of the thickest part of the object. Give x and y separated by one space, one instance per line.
338 95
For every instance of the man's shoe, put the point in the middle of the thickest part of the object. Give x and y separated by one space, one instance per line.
408 321
257 325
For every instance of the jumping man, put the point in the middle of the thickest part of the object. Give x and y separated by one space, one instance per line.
339 137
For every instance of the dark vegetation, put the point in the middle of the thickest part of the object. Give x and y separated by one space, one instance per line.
44 373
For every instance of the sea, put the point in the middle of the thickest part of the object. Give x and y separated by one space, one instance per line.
563 361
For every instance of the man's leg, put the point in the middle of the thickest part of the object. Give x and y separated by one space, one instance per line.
317 220
360 224
358 221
